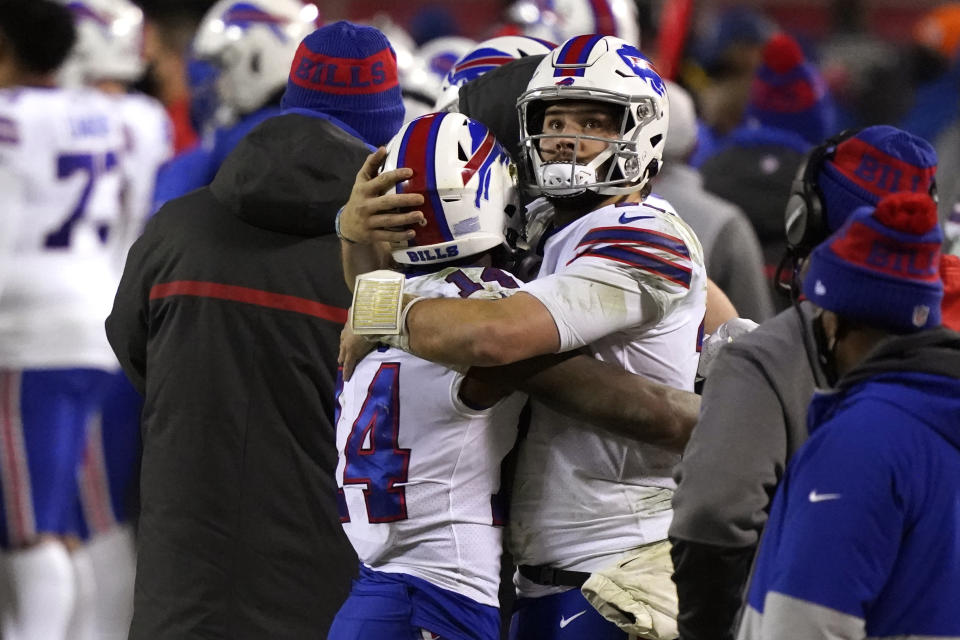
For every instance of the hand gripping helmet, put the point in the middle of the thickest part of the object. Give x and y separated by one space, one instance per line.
562 19
484 57
252 43
468 185
109 42
602 69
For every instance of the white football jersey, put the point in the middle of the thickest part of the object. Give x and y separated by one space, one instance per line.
627 282
64 149
148 135
419 470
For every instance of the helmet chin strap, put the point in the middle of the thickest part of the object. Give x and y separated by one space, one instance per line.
567 178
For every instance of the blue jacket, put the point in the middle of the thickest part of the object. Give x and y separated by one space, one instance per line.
196 167
864 534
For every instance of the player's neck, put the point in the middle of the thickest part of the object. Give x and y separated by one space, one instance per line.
569 210
113 87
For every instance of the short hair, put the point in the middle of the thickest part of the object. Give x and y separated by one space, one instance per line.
40 33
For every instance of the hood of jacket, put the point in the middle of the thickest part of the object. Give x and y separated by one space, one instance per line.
921 371
291 174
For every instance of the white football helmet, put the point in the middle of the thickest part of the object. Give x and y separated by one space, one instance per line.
484 57
109 43
559 20
432 62
468 185
252 42
602 69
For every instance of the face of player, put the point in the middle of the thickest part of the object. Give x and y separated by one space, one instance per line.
571 118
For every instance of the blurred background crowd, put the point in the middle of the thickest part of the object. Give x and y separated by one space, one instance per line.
768 79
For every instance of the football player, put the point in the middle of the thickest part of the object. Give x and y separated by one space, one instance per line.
108 57
62 149
622 275
419 445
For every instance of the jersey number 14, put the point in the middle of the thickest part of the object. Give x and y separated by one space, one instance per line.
372 456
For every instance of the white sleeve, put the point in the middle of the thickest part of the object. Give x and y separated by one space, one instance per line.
610 288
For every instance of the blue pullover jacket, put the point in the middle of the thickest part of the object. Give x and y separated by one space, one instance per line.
863 539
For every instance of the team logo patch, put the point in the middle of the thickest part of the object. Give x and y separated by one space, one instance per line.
566 82
640 65
921 313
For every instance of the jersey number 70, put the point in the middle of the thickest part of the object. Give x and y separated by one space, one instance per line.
372 456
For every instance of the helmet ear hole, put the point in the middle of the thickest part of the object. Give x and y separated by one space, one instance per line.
461 153
653 169
255 62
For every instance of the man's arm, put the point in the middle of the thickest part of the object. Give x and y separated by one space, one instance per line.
719 308
483 333
729 471
604 395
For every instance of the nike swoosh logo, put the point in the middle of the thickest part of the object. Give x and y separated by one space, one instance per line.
565 621
625 219
820 497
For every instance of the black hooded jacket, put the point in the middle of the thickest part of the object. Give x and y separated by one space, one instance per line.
227 319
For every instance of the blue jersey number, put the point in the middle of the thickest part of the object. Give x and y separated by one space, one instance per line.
372 455
93 166
469 287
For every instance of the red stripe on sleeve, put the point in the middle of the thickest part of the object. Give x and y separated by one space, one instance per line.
246 295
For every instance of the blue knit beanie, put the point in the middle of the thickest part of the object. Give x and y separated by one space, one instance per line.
789 93
882 267
349 72
877 161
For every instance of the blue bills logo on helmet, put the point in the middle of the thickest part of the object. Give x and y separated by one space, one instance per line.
640 65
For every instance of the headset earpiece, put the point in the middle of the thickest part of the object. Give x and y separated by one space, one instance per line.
805 218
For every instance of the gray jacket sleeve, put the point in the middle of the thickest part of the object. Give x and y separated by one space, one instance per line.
734 458
752 419
726 479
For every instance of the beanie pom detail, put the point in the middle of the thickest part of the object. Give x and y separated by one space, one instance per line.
913 213
782 53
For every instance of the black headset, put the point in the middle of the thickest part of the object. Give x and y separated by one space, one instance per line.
805 219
